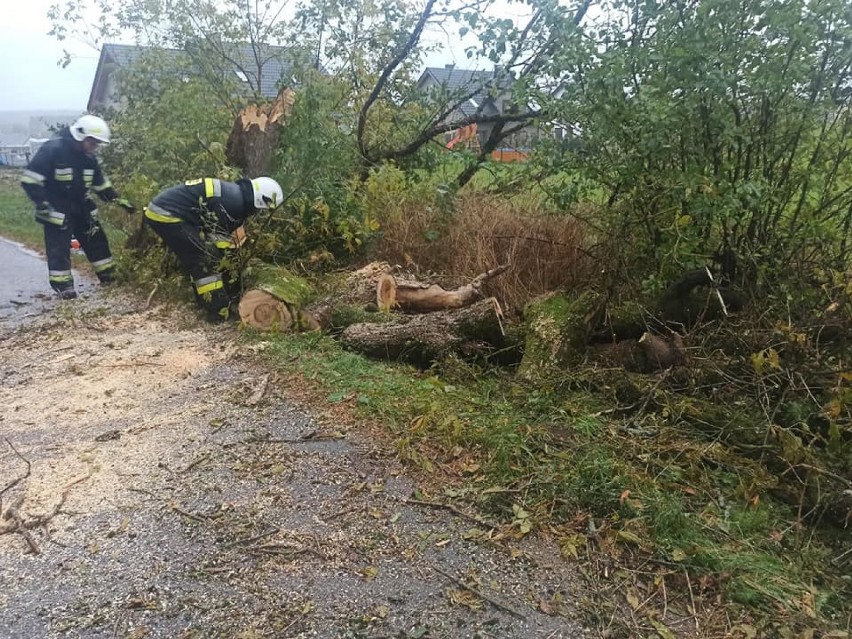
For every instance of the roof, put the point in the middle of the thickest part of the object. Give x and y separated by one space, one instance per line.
275 63
461 81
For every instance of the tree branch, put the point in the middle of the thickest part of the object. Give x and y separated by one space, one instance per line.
386 72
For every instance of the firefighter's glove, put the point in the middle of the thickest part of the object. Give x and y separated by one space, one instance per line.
126 205
44 214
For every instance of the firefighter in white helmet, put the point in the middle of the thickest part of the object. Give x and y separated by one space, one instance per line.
196 221
59 180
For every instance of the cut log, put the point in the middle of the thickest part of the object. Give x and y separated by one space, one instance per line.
295 291
418 297
422 339
255 135
262 310
277 301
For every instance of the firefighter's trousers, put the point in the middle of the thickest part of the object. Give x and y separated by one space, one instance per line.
200 259
93 241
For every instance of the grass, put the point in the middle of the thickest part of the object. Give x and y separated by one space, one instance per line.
16 212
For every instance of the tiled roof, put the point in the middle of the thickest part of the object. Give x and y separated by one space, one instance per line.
275 62
462 81
455 79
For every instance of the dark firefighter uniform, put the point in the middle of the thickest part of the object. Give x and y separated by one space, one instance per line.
58 180
195 220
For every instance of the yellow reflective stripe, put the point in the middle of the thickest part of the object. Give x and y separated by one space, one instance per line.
194 182
102 265
55 217
159 217
212 188
59 276
102 186
31 177
223 241
208 284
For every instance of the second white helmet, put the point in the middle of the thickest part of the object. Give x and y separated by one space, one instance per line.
267 193
90 126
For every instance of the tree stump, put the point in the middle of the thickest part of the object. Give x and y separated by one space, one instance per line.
255 135
558 331
349 297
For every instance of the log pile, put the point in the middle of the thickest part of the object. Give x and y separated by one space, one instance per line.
382 314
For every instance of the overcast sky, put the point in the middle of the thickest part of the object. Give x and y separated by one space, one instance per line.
29 76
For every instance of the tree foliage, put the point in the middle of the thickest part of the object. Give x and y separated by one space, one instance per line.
712 127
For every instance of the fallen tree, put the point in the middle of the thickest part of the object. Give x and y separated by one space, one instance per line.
472 331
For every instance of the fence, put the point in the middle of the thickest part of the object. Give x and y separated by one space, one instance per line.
15 155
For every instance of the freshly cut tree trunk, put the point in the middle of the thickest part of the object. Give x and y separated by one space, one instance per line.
418 297
256 132
264 311
277 301
422 339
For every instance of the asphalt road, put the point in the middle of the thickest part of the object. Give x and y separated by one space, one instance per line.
24 289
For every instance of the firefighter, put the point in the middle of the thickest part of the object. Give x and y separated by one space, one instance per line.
196 221
58 180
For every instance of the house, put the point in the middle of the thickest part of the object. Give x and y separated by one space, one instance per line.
259 69
477 93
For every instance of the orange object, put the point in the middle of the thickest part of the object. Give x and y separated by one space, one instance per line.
463 134
239 236
75 244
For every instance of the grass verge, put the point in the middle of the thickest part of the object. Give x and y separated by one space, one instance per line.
672 534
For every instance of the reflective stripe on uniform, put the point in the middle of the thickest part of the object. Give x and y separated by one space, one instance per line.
212 188
159 214
31 177
55 217
88 176
102 186
59 276
63 175
223 241
208 284
100 266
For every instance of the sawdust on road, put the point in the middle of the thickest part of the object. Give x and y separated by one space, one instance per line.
170 487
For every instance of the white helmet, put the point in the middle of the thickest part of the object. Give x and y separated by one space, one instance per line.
90 126
267 193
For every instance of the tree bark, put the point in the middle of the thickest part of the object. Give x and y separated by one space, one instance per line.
422 339
256 132
418 297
